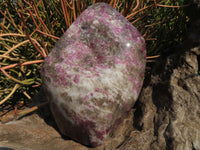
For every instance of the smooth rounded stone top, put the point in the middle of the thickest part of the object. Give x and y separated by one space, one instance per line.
93 75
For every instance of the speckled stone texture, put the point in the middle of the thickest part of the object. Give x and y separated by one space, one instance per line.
94 74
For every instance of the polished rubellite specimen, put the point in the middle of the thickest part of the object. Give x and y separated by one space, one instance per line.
93 75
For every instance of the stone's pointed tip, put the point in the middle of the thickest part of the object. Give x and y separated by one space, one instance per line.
94 74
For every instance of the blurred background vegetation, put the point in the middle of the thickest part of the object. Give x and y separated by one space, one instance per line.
30 28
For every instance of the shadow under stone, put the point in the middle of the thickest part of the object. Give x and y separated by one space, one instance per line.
5 148
45 112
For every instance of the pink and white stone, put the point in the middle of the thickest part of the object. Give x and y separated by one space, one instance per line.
93 75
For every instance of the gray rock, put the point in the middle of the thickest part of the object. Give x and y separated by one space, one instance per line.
170 103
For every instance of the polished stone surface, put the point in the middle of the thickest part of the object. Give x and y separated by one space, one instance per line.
94 74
